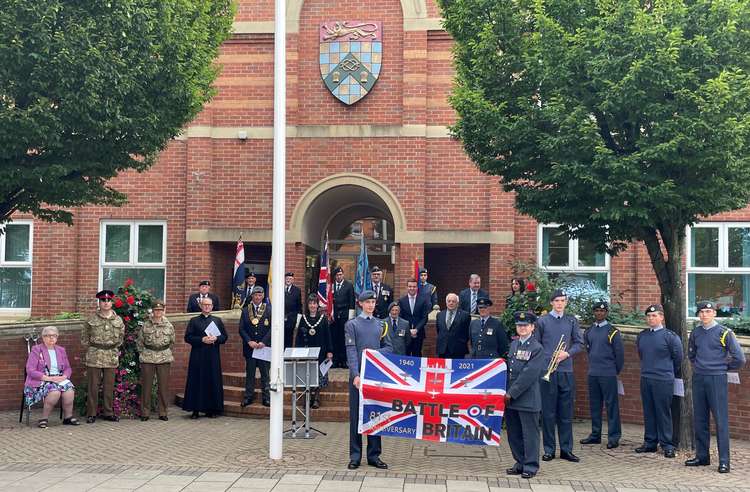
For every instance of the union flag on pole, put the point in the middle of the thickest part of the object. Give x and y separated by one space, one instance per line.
325 290
441 400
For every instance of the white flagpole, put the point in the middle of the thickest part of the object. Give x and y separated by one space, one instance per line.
278 242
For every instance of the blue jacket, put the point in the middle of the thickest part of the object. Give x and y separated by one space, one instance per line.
606 352
257 332
714 351
660 352
525 367
361 333
548 331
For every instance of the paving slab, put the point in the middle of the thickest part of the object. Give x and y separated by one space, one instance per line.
383 483
218 477
466 486
301 479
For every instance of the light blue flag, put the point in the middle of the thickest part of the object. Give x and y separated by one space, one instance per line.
363 280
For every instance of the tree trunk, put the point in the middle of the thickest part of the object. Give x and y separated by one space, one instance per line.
669 273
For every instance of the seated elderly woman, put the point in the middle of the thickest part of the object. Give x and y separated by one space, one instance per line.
48 378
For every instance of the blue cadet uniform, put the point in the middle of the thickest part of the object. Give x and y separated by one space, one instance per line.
362 333
557 394
428 289
713 350
660 351
488 337
606 358
524 401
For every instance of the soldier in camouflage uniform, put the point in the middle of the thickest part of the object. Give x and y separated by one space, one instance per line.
102 336
154 344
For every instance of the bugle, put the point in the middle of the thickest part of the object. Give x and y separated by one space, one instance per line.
554 362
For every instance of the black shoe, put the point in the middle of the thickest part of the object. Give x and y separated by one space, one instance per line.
645 449
353 465
246 402
613 445
144 418
111 418
513 471
378 464
266 403
569 456
697 462
195 415
315 404
163 417
669 453
723 467
548 457
528 475
71 421
591 440
90 420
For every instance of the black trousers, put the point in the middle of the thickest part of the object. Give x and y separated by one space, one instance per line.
337 336
557 411
414 347
656 396
250 365
603 391
355 438
523 439
289 323
710 396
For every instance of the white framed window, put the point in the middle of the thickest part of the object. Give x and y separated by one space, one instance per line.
577 259
16 258
135 250
718 267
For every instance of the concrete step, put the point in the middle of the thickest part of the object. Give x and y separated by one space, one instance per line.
338 380
237 393
328 412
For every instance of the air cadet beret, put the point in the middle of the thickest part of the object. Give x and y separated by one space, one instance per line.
523 318
706 305
289 274
484 302
158 304
366 295
258 289
557 293
337 270
601 305
376 269
204 282
654 308
105 295
422 270
392 304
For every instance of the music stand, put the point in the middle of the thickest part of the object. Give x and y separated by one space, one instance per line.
301 371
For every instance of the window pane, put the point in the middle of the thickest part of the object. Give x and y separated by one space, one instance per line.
150 242
588 256
117 243
15 288
739 247
150 279
579 282
704 247
731 293
554 247
17 242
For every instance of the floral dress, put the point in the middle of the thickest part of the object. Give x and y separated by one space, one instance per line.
34 395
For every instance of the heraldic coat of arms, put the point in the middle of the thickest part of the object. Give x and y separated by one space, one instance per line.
351 54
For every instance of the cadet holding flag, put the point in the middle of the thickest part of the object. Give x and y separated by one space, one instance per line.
713 350
606 359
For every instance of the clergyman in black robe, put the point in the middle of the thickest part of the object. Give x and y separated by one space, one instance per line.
204 389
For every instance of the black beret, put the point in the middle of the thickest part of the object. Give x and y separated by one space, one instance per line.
422 270
557 293
376 269
104 295
337 270
706 305
654 308
366 295
204 282
249 274
601 305
258 290
289 274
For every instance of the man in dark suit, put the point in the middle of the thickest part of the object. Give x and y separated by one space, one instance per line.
343 309
452 330
383 291
244 291
255 331
396 329
414 309
469 296
193 305
292 307
427 288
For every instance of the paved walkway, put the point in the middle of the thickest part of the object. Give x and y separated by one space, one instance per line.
232 454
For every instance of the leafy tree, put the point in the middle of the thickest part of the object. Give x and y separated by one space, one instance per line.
621 120
89 89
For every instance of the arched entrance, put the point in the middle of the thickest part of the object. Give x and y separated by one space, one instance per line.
345 207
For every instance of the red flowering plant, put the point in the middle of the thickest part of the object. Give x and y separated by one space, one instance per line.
133 305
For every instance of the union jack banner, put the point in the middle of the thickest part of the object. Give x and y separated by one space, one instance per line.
441 400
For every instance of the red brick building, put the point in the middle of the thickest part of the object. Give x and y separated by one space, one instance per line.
385 165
